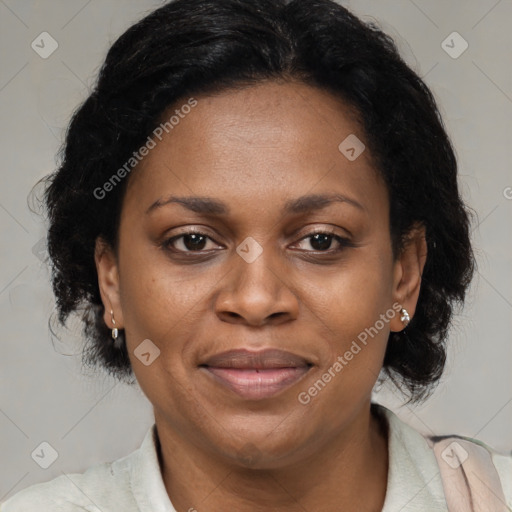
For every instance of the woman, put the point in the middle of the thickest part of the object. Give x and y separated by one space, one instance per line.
258 205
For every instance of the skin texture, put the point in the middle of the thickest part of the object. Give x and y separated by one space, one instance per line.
254 149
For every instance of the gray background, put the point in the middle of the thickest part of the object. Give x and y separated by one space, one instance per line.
43 394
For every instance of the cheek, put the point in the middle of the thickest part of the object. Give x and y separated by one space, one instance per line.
354 306
154 297
352 296
161 305
357 345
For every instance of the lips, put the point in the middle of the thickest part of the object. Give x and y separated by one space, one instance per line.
256 375
264 359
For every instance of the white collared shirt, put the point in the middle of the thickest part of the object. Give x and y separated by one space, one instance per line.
134 483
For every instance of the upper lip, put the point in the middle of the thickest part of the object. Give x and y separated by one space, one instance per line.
263 359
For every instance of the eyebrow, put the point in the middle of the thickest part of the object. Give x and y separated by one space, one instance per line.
210 206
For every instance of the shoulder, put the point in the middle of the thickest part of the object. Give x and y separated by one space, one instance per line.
503 464
486 470
457 461
94 490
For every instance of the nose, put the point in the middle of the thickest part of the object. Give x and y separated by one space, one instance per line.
257 293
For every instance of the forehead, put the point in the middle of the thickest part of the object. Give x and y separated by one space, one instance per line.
258 145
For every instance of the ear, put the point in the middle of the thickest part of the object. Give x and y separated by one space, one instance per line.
408 269
108 281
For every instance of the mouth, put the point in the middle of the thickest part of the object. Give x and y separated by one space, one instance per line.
256 375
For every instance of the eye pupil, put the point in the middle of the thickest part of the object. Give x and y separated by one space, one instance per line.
321 241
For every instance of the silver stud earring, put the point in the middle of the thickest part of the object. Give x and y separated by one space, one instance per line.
404 317
115 332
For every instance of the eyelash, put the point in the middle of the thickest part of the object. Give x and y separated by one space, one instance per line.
343 242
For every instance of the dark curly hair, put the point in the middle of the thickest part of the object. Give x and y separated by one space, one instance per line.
193 47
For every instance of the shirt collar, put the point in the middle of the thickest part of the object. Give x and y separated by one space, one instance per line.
146 480
414 481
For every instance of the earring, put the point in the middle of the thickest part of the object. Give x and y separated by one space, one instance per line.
404 317
115 332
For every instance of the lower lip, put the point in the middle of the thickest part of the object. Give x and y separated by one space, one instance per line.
254 384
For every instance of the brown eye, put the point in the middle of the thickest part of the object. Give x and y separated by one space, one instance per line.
188 242
322 242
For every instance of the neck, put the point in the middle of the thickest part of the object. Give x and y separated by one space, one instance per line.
348 472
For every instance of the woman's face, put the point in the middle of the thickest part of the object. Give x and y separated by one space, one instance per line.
256 277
